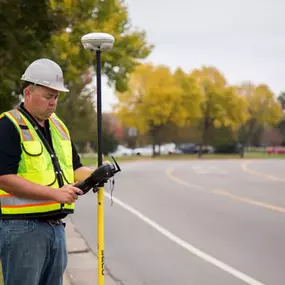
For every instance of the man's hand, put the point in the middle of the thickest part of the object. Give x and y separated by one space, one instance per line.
82 173
67 194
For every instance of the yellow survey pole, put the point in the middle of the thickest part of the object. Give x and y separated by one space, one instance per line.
101 236
99 42
100 224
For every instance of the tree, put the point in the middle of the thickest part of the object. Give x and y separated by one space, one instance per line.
263 108
155 98
25 28
281 125
109 141
53 29
281 99
80 117
221 105
81 17
78 113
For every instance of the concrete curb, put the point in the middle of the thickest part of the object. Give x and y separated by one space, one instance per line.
82 262
66 280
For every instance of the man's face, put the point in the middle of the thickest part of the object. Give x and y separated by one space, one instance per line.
41 101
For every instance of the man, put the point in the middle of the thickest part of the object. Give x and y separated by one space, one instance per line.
38 167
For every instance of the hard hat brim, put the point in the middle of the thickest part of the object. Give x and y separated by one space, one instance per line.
60 89
63 89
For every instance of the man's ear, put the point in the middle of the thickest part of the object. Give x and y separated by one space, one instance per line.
27 92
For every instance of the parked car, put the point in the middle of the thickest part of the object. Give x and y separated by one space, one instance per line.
122 151
145 151
277 149
187 148
169 148
164 149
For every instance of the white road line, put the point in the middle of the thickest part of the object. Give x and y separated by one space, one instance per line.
199 169
212 169
217 170
247 279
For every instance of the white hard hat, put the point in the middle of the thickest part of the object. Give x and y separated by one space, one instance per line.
45 72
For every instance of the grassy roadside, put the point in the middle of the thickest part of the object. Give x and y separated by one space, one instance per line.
1 275
249 155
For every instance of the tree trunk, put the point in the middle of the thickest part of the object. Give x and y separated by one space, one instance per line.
250 132
153 150
204 136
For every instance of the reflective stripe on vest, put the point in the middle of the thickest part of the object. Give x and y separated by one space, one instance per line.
36 156
60 128
25 132
27 206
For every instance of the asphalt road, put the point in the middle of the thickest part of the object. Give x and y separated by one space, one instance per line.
208 222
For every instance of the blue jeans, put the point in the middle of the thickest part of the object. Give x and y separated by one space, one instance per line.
32 252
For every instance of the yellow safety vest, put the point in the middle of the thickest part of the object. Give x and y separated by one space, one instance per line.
36 166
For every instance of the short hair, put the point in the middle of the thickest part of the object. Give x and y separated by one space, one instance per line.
26 84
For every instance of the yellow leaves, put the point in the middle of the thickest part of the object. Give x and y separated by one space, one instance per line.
156 97
236 107
262 104
111 24
221 103
64 37
53 4
192 96
67 3
209 78
217 123
64 48
64 6
63 55
153 98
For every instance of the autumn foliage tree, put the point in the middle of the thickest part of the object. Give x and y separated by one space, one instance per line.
156 97
221 105
263 109
203 101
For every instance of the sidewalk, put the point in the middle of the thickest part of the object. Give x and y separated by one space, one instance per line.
82 262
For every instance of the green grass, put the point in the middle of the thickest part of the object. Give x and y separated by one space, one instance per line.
1 275
93 160
248 155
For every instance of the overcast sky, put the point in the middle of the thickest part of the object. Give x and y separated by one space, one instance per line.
244 39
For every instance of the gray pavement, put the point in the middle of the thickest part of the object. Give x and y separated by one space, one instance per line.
82 262
192 223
